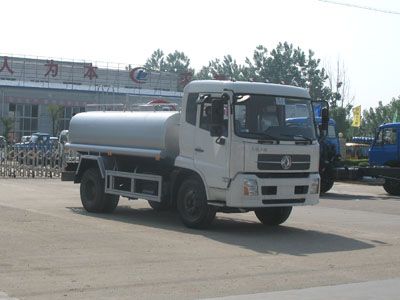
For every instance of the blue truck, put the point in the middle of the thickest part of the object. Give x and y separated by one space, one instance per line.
384 160
384 157
385 150
37 150
38 141
329 151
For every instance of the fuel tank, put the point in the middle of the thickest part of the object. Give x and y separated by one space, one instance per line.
138 133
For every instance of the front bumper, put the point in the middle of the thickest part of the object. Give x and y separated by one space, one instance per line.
273 191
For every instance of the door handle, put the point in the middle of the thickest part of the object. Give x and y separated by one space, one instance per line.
198 150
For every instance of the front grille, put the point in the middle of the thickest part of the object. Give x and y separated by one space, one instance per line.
284 201
273 162
282 175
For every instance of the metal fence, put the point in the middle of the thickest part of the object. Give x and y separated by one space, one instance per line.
31 163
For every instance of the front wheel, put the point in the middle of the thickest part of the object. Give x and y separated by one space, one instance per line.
92 193
392 187
192 204
273 216
326 184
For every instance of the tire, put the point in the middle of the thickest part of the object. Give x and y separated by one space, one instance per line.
165 203
392 187
273 216
326 184
159 206
92 193
192 204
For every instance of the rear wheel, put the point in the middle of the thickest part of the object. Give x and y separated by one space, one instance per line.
273 216
92 193
192 204
392 187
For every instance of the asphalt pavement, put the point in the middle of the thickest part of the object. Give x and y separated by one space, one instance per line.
50 248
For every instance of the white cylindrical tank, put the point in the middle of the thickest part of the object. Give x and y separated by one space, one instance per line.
140 133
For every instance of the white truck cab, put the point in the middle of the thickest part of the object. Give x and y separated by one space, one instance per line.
258 160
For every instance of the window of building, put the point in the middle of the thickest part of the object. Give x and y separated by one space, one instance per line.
25 119
68 113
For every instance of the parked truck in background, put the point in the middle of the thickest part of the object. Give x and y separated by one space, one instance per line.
384 160
37 141
384 156
329 150
230 149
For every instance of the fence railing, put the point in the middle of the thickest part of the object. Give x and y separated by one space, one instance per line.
31 162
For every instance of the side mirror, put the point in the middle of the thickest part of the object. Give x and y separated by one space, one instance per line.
324 119
217 113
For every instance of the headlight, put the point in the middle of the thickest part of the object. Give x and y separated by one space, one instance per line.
250 187
314 187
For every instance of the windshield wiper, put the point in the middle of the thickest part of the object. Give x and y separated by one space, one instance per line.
267 137
305 138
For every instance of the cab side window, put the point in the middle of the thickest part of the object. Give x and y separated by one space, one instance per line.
379 137
191 108
205 116
389 136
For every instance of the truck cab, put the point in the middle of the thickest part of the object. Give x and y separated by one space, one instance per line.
385 150
258 158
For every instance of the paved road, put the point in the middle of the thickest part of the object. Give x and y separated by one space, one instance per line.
50 248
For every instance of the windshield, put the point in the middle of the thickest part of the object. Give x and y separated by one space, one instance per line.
34 138
272 117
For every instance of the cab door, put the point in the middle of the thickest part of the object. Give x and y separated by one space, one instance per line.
211 154
385 148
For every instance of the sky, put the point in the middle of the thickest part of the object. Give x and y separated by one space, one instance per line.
366 42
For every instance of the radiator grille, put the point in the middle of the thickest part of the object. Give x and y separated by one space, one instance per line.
274 162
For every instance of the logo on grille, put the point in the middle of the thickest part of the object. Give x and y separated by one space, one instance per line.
286 162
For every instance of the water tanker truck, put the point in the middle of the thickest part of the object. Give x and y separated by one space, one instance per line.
230 149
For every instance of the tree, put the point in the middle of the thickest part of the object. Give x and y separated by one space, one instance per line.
7 123
227 69
341 101
341 117
289 65
374 117
55 112
156 61
176 62
339 84
283 65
